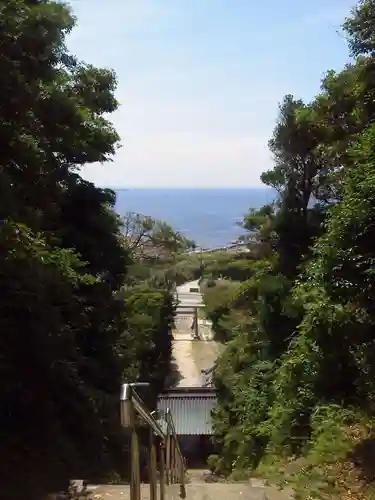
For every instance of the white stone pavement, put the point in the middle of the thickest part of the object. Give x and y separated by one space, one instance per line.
192 356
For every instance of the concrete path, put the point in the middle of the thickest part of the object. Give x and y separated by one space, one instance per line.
188 299
202 491
192 356
199 487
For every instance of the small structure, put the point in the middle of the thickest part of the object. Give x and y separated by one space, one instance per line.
191 408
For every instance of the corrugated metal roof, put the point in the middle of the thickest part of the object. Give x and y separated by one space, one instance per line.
191 412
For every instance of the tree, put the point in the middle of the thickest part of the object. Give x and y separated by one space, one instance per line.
359 27
46 100
301 378
49 422
147 237
150 313
61 361
331 359
295 172
70 334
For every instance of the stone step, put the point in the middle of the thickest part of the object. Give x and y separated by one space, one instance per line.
197 490
203 491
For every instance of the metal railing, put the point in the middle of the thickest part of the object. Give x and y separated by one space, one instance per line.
164 455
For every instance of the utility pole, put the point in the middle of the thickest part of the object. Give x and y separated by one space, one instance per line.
196 323
201 263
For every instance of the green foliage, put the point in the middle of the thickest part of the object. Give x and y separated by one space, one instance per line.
231 267
359 27
329 441
298 379
218 301
40 369
189 266
146 237
150 315
213 463
243 381
71 332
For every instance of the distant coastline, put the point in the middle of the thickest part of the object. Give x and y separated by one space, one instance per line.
209 216
182 188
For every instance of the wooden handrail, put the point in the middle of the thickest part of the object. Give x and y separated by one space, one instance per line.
170 462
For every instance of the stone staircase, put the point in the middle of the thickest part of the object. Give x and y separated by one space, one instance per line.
204 491
198 487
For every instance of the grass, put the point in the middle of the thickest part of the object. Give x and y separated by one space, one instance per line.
335 468
201 313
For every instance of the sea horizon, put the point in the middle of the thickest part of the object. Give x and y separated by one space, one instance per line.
187 188
209 216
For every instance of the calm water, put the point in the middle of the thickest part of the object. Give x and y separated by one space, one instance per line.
209 216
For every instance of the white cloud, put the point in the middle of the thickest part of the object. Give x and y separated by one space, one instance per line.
186 139
184 124
198 95
188 160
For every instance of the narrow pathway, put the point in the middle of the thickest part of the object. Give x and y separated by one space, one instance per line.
194 491
192 357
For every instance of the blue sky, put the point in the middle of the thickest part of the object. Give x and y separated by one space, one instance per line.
199 81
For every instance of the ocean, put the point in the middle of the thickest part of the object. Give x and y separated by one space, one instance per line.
208 216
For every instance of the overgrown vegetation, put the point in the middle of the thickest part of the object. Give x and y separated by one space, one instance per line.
86 298
296 381
75 320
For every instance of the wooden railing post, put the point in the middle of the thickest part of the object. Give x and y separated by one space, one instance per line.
162 471
168 459
182 480
171 461
135 484
153 467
